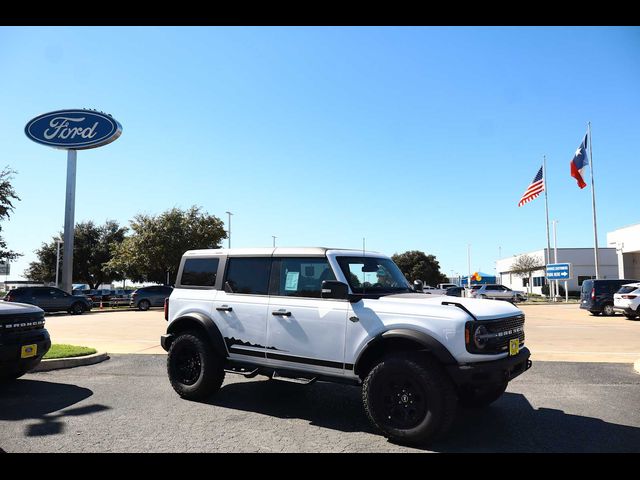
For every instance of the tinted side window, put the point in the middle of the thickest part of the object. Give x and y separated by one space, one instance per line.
303 277
248 275
200 272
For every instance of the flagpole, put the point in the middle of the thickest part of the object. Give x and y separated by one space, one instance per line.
546 209
593 204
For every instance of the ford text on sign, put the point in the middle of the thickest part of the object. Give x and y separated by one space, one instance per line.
73 129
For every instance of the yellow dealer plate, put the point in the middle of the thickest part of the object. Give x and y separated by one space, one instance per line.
514 346
29 351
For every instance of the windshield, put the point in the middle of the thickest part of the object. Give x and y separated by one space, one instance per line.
369 275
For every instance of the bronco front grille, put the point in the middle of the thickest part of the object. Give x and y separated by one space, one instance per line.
495 335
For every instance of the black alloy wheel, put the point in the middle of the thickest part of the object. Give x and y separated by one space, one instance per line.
77 308
187 365
144 305
402 401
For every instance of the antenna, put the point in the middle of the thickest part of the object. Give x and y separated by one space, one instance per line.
364 288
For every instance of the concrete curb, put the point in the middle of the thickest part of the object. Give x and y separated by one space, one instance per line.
58 363
636 366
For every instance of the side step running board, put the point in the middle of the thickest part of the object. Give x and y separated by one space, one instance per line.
244 372
301 381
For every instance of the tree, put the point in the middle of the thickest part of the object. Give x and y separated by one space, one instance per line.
417 265
92 247
158 243
7 194
525 265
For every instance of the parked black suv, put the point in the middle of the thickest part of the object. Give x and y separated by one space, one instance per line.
50 299
23 339
153 296
597 295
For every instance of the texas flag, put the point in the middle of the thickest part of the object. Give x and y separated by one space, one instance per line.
580 160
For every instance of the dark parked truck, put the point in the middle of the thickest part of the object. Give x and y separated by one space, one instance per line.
23 339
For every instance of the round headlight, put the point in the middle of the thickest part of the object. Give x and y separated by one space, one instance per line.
480 337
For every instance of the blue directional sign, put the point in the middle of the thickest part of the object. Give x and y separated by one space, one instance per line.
559 271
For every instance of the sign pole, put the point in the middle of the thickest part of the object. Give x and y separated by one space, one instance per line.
69 223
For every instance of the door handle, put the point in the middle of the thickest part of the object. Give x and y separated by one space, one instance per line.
224 308
281 313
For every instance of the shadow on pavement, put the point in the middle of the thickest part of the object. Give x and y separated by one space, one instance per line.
44 402
334 406
512 425
509 425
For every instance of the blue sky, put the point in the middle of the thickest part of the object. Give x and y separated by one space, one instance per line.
416 138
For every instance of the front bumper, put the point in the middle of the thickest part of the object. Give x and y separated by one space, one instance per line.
11 345
492 372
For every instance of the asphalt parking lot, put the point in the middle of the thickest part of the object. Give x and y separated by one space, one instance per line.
127 405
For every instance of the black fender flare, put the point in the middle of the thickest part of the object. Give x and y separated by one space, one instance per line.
186 322
428 343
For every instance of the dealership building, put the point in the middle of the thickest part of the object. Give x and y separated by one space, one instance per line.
581 259
626 242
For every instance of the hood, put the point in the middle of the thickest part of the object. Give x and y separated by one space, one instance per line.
14 308
421 304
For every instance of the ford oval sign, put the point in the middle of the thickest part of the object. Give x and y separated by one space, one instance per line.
73 129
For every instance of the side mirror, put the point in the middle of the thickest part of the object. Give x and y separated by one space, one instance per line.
418 286
334 289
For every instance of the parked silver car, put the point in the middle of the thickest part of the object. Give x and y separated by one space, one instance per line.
498 292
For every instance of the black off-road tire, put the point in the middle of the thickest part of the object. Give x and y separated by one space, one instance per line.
631 316
409 398
144 305
482 396
195 370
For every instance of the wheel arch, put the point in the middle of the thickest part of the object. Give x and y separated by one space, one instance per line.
397 340
199 322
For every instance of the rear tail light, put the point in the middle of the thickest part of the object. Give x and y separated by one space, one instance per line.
593 294
166 309
629 297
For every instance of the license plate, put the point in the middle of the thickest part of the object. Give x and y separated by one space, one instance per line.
28 351
514 346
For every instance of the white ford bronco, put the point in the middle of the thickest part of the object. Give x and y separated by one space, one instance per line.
306 314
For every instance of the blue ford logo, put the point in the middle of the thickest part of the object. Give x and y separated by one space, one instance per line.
73 129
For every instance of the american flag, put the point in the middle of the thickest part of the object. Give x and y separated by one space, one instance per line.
533 190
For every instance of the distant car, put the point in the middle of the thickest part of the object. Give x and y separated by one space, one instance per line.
454 291
627 300
50 299
429 290
444 286
597 295
498 292
23 339
146 297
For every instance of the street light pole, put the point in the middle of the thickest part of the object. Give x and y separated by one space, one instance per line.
58 241
229 229
274 240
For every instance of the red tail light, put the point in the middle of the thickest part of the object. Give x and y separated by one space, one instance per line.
166 309
629 297
593 294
